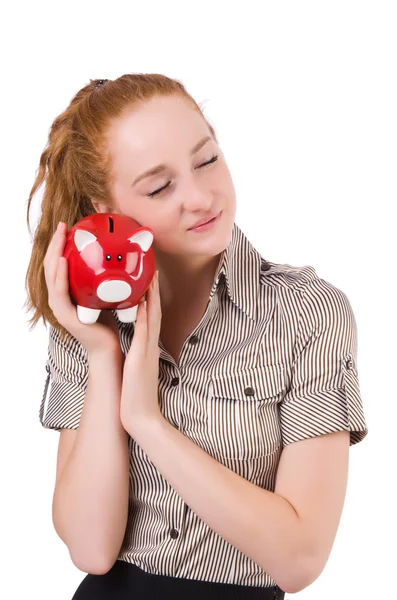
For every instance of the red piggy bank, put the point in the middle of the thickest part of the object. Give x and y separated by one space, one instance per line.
111 265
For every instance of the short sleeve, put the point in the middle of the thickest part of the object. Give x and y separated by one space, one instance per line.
66 383
324 392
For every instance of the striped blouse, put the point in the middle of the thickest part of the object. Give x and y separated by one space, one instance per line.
272 361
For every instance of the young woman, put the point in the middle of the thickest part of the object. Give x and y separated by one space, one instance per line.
203 449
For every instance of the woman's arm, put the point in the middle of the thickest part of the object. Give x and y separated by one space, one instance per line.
291 546
90 504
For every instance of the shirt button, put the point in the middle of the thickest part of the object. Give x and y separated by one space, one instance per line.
265 266
194 339
249 391
174 534
175 381
349 364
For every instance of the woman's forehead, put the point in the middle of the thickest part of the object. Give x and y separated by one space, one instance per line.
167 121
143 143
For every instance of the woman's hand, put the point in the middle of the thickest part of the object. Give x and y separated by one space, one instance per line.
139 396
100 336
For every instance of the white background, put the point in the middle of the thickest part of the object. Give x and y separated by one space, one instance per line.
303 98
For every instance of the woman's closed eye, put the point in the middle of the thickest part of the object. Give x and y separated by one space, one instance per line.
156 192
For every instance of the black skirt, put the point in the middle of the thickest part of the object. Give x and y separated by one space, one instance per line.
126 581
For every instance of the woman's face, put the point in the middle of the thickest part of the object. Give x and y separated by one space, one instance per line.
165 131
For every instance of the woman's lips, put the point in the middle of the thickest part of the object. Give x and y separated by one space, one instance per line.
207 225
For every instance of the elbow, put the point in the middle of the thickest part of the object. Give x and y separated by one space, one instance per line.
86 556
91 566
93 563
298 585
301 575
88 564
87 561
294 585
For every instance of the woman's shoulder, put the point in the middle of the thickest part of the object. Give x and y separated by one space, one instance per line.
304 284
295 277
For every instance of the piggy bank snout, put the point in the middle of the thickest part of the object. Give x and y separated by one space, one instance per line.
113 291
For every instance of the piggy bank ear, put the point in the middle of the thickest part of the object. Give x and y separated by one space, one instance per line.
143 238
82 238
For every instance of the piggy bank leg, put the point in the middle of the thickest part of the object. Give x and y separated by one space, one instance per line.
87 315
127 315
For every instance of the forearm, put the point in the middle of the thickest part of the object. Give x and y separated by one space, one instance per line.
90 505
260 523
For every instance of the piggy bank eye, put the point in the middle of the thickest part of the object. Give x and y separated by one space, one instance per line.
108 257
119 257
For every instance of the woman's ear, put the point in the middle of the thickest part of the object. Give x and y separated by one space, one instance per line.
100 207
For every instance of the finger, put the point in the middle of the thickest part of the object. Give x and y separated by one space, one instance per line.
54 251
154 315
140 328
60 231
60 297
61 286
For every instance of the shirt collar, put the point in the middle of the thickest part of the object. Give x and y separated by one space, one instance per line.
240 264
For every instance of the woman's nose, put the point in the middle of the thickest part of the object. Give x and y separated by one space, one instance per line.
195 196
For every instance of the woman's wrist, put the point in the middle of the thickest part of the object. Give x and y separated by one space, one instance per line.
110 352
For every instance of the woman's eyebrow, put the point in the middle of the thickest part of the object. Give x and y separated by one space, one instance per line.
159 168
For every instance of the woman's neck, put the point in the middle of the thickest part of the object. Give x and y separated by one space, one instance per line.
180 285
